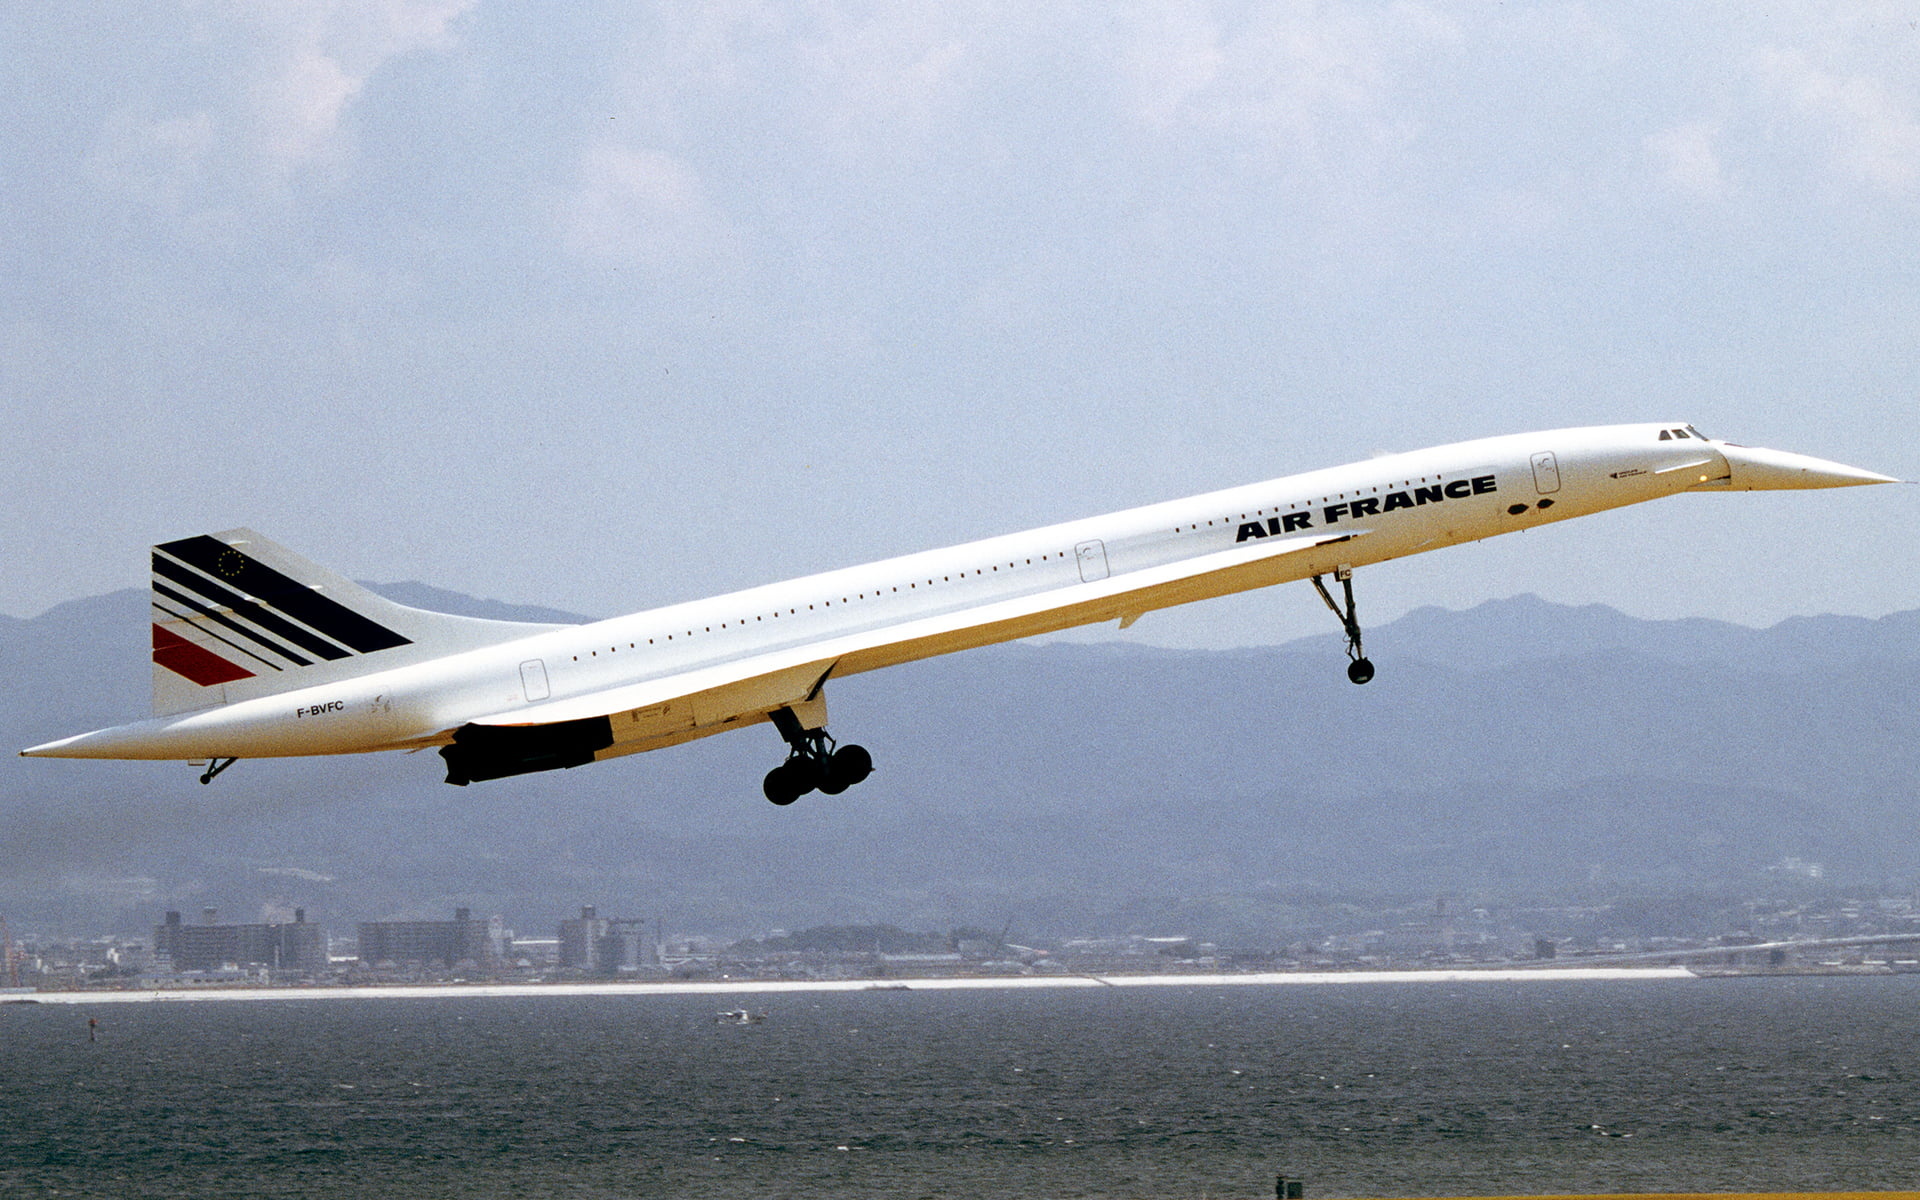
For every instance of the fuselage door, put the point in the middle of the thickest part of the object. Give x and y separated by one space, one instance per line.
1093 560
1546 473
533 678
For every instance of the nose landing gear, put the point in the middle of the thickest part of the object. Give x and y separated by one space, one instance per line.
814 762
1360 668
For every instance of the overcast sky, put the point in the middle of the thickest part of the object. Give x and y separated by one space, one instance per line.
606 305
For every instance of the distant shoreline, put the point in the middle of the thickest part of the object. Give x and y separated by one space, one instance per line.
746 987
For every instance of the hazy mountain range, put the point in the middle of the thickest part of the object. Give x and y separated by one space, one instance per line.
1518 748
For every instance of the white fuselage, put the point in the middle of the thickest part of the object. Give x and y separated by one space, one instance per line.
701 667
974 594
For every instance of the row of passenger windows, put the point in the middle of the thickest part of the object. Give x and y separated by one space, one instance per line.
1297 505
912 585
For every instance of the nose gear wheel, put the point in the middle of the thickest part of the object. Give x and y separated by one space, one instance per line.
1360 668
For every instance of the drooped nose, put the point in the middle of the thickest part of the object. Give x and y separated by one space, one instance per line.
1756 469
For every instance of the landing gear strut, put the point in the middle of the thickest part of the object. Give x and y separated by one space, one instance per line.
1360 669
214 767
813 763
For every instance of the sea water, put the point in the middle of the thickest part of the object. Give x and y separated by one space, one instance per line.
1360 1090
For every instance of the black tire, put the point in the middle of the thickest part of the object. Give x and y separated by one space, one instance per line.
852 764
1360 670
780 785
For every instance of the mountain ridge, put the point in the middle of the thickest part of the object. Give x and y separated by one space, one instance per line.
1518 746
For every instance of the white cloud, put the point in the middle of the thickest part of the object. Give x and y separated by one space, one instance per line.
642 206
896 69
298 106
1868 128
314 56
1307 74
859 82
1173 53
1687 161
283 75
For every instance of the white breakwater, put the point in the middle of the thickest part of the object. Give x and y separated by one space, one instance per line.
746 987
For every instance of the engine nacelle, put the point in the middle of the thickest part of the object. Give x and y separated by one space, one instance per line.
482 752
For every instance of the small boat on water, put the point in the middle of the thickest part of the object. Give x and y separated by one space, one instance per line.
738 1016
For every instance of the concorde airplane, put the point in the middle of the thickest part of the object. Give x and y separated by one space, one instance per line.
259 653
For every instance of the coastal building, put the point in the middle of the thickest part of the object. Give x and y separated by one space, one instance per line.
434 943
606 945
297 947
580 939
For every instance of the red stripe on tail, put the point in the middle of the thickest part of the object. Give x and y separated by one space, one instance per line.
196 663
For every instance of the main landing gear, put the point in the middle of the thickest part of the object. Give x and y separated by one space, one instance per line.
1360 669
813 763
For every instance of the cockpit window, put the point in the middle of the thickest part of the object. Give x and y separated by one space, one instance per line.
1666 435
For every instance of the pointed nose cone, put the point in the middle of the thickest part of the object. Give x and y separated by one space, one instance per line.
1755 469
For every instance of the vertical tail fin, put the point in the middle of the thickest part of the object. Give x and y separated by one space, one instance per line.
236 616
